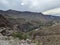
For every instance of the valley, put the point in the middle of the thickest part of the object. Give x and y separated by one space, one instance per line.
31 27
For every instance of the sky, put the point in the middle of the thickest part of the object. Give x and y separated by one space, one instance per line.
29 5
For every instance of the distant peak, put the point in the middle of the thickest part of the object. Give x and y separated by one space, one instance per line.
10 10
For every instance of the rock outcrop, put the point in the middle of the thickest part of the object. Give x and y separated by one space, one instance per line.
3 21
5 26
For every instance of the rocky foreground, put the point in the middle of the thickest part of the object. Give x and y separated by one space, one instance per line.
4 40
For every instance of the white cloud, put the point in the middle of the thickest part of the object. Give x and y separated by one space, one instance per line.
55 11
4 1
29 5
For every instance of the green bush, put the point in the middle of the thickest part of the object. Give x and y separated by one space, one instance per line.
37 43
19 35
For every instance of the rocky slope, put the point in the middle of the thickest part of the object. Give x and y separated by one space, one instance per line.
3 21
4 40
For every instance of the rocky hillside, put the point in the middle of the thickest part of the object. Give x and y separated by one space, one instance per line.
47 36
4 22
30 16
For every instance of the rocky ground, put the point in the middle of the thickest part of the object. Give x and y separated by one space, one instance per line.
4 40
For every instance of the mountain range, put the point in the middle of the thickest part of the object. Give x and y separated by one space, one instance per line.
34 16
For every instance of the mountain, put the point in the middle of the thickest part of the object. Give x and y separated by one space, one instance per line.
27 21
29 16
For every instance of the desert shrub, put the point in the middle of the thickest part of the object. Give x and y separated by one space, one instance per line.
19 35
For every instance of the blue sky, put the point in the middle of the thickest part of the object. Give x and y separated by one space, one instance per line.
29 5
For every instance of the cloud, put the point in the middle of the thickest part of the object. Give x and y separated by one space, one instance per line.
55 11
29 5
